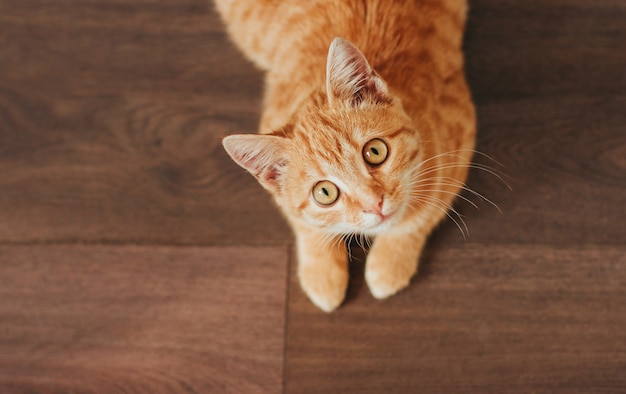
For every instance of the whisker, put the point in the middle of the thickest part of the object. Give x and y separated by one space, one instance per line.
451 153
331 240
357 239
445 211
454 154
347 241
452 193
485 156
447 166
456 164
462 186
444 207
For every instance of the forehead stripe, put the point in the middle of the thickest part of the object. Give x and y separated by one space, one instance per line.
395 133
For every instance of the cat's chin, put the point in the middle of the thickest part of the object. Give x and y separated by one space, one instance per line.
370 231
384 224
374 231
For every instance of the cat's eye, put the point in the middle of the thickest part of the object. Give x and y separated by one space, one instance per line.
375 152
325 193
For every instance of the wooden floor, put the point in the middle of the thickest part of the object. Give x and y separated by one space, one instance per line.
136 257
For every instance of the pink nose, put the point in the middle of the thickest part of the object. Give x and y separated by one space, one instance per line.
377 208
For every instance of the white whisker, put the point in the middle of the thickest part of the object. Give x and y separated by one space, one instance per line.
462 186
445 209
453 153
444 206
429 170
451 193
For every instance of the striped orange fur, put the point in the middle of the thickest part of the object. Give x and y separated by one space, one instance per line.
348 83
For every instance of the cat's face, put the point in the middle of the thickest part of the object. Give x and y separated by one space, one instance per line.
346 163
349 169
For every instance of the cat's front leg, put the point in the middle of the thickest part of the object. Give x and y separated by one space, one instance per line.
322 267
392 262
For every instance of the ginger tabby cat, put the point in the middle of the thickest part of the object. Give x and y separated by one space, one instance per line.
373 135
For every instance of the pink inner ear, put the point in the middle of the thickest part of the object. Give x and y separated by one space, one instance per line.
355 62
261 155
350 78
271 173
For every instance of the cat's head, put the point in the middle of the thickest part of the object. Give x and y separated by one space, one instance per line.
345 162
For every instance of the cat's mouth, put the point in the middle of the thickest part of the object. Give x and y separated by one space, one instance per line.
384 218
384 222
387 220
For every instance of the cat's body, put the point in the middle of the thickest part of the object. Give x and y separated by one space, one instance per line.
353 146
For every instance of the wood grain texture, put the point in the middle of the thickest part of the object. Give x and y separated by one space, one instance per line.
550 92
111 114
101 319
536 48
565 160
478 318
111 117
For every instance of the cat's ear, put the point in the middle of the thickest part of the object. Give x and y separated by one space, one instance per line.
349 77
264 156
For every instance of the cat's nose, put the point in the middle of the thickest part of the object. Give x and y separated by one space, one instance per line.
377 208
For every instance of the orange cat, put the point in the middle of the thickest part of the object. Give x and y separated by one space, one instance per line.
371 133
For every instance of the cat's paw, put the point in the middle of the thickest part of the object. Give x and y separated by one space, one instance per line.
324 284
386 278
383 284
391 263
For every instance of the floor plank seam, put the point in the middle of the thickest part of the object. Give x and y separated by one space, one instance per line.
286 324
142 243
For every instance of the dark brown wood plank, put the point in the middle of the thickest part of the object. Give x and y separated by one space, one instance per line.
100 319
549 85
111 116
534 48
565 159
478 318
113 48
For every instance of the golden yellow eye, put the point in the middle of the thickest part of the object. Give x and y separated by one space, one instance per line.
325 193
375 152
